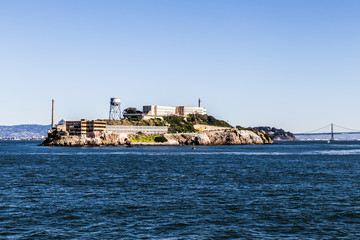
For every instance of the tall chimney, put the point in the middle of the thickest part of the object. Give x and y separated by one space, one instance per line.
199 102
53 115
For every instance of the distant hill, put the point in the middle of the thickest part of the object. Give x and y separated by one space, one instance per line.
24 131
278 134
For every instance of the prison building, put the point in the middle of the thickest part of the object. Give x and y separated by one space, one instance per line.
185 111
159 111
86 128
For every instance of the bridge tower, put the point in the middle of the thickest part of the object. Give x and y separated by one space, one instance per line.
332 132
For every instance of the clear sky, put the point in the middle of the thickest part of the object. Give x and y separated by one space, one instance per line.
289 64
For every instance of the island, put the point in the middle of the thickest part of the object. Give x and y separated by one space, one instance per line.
192 129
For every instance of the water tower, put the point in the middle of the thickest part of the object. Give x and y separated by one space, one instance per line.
115 110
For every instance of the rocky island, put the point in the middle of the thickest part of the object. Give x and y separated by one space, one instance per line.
278 134
197 129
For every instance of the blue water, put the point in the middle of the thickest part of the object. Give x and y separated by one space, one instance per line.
288 190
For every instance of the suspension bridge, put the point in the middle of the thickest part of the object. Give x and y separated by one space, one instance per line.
330 131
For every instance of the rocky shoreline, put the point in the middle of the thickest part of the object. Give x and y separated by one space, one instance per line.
220 137
278 134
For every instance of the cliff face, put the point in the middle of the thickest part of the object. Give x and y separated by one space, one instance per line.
278 134
222 137
225 137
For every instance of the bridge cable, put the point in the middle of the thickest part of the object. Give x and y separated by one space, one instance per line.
319 129
350 129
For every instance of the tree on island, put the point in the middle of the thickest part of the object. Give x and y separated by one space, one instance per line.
131 110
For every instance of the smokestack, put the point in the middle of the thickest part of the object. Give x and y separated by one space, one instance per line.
199 102
53 115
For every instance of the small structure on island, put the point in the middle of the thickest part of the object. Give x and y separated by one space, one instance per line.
60 127
52 129
53 114
115 109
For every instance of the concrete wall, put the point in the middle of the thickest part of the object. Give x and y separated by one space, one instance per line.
117 129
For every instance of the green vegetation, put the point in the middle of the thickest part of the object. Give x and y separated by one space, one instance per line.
207 120
186 124
55 135
160 138
239 127
131 110
177 124
248 128
136 122
147 138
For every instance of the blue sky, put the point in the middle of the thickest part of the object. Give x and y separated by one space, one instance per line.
288 64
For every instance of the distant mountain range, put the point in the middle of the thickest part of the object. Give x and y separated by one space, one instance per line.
25 131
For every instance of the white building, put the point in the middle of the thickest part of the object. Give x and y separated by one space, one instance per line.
150 111
192 110
159 110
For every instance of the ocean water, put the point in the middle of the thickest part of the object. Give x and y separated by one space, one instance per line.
298 190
